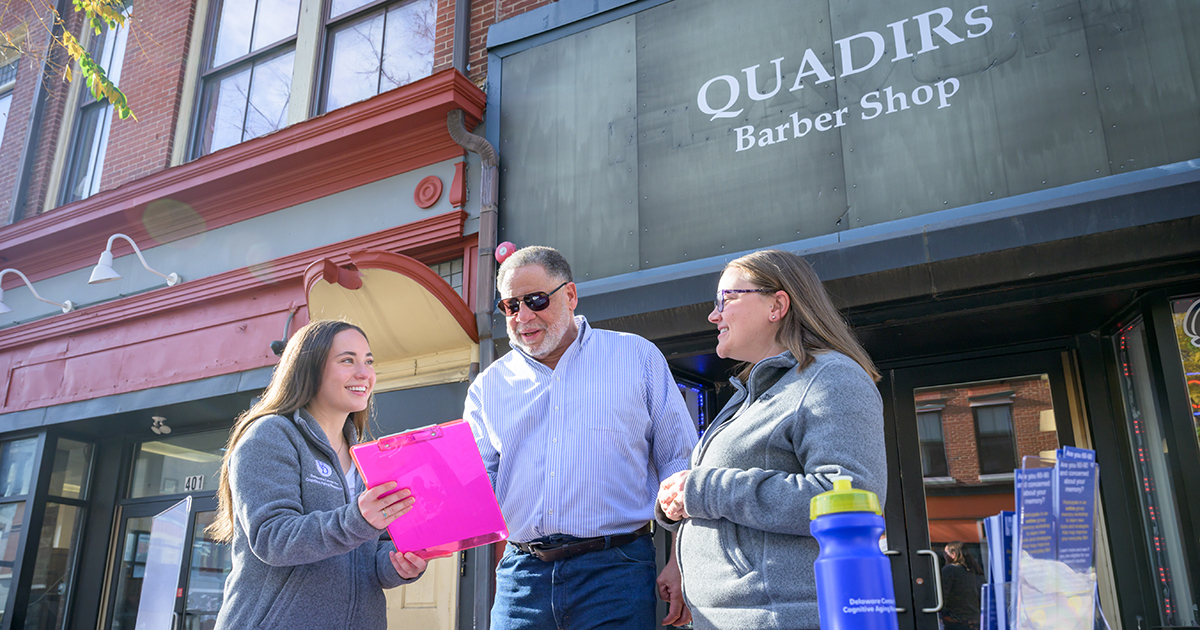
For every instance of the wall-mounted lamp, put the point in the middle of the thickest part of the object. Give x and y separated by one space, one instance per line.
158 425
66 307
104 272
278 346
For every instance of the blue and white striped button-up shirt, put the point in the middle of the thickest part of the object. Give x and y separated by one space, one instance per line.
582 448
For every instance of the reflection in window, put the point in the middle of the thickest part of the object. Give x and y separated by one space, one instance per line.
134 551
378 50
93 119
1156 492
12 517
72 463
994 434
8 78
210 567
933 444
16 467
53 569
5 103
248 81
1186 313
177 465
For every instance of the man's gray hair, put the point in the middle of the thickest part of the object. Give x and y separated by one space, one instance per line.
547 257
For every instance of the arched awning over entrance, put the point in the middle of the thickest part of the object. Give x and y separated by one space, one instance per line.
421 331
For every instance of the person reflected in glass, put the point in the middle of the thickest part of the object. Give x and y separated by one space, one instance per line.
805 409
306 546
962 579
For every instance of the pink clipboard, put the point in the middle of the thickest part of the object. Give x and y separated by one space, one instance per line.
456 508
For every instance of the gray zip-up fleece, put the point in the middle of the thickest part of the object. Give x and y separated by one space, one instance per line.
746 553
303 555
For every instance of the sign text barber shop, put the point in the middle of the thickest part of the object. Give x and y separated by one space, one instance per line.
935 28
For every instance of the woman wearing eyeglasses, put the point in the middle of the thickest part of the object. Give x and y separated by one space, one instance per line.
805 409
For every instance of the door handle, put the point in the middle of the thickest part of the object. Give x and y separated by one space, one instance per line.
174 621
937 579
894 552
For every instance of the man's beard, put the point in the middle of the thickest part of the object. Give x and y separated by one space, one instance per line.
553 336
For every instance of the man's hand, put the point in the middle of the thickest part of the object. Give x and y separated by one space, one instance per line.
670 590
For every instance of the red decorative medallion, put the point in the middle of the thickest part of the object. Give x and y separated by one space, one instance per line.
428 192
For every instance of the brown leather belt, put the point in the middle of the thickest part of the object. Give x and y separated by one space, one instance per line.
552 552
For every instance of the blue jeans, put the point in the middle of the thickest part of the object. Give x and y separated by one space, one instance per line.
612 589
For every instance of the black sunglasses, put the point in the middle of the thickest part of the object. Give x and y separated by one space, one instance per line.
536 301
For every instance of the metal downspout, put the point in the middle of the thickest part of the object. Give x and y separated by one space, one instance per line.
486 271
485 289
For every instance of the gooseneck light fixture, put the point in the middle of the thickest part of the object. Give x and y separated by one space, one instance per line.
66 307
104 272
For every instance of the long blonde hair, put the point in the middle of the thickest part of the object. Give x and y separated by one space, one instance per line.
812 325
295 382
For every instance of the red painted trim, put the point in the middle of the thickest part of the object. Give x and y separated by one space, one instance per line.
470 270
458 187
409 238
395 132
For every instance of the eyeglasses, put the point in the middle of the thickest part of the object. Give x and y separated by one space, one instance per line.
536 301
719 303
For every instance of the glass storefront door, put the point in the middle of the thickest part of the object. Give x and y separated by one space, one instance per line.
164 471
959 430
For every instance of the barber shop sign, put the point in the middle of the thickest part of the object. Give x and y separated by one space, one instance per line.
726 95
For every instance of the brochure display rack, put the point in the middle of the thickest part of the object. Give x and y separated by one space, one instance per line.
1041 568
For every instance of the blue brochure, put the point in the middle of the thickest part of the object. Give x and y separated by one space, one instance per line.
1034 498
1075 497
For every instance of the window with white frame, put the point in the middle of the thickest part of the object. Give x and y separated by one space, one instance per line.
8 79
373 47
93 120
246 84
257 51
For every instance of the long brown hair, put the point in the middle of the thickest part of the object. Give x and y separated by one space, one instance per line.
295 382
812 325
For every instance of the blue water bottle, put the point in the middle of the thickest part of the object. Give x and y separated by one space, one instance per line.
854 578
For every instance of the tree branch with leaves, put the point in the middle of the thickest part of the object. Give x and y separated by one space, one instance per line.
99 14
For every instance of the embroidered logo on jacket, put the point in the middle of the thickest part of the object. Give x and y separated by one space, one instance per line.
324 468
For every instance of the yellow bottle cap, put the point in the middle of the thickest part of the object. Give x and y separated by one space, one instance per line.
843 498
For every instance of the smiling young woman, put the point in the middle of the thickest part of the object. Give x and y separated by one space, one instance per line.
305 535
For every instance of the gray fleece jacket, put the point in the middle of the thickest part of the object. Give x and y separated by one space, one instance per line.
303 555
746 553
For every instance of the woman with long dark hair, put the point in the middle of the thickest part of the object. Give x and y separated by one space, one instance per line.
962 578
306 539
805 409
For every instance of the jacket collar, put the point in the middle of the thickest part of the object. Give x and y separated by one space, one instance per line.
764 374
315 434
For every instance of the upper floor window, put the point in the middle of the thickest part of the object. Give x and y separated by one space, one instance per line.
933 443
8 78
92 120
247 82
994 437
263 67
373 47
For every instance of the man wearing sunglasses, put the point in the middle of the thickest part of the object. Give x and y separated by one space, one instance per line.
577 427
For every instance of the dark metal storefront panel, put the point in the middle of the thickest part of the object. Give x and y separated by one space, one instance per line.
698 197
843 117
570 157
